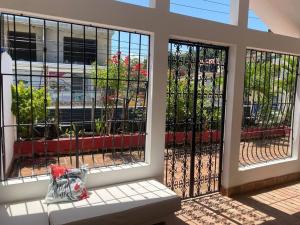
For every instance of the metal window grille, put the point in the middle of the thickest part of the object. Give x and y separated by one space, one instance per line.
195 117
89 109
269 98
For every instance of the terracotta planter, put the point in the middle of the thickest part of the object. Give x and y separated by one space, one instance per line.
85 144
89 144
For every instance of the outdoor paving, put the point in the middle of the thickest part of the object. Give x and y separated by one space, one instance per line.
279 205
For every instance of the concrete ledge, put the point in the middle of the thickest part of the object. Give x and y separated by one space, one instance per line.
261 184
129 203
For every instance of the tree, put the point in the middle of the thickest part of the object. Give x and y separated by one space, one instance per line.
22 99
180 99
120 83
268 78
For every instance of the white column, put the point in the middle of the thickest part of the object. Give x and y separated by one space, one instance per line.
9 135
163 5
233 117
296 123
234 101
155 141
239 12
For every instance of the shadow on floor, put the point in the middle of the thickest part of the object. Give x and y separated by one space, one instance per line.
279 205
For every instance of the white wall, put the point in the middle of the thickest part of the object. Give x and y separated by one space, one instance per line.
162 25
9 132
286 12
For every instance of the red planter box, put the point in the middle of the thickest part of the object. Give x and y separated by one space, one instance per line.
252 133
88 144
85 144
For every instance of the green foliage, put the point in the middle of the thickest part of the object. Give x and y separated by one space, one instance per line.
267 80
21 106
111 78
71 132
112 81
99 126
180 101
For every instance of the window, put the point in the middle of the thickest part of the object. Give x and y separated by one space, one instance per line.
74 49
101 104
269 97
22 46
77 83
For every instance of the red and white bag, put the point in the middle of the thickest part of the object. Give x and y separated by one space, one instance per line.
67 184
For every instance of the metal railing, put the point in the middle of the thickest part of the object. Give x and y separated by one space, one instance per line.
71 102
269 97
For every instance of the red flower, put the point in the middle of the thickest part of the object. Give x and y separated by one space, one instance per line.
144 73
137 67
115 59
126 60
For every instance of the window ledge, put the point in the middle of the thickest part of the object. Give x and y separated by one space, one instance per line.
36 187
21 180
266 164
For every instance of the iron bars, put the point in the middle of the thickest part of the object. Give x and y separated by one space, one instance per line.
195 117
269 97
76 94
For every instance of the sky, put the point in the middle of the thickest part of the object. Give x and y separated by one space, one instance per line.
216 10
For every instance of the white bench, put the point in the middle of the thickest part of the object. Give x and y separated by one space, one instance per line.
33 212
144 202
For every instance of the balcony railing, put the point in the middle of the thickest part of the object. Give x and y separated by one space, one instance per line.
269 98
76 94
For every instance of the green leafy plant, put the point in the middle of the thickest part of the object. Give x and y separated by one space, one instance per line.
22 98
266 80
99 126
71 132
180 101
121 82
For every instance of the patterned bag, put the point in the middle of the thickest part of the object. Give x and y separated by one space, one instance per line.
66 184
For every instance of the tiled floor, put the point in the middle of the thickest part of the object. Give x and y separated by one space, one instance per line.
279 205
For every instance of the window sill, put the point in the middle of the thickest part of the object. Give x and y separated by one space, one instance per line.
267 164
36 187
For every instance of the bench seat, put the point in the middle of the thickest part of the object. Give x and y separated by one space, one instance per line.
144 202
24 213
131 203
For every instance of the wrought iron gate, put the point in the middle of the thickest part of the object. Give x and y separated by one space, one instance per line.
195 117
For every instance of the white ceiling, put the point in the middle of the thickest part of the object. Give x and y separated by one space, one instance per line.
281 16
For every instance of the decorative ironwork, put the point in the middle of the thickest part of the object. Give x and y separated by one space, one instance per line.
269 93
79 95
195 116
